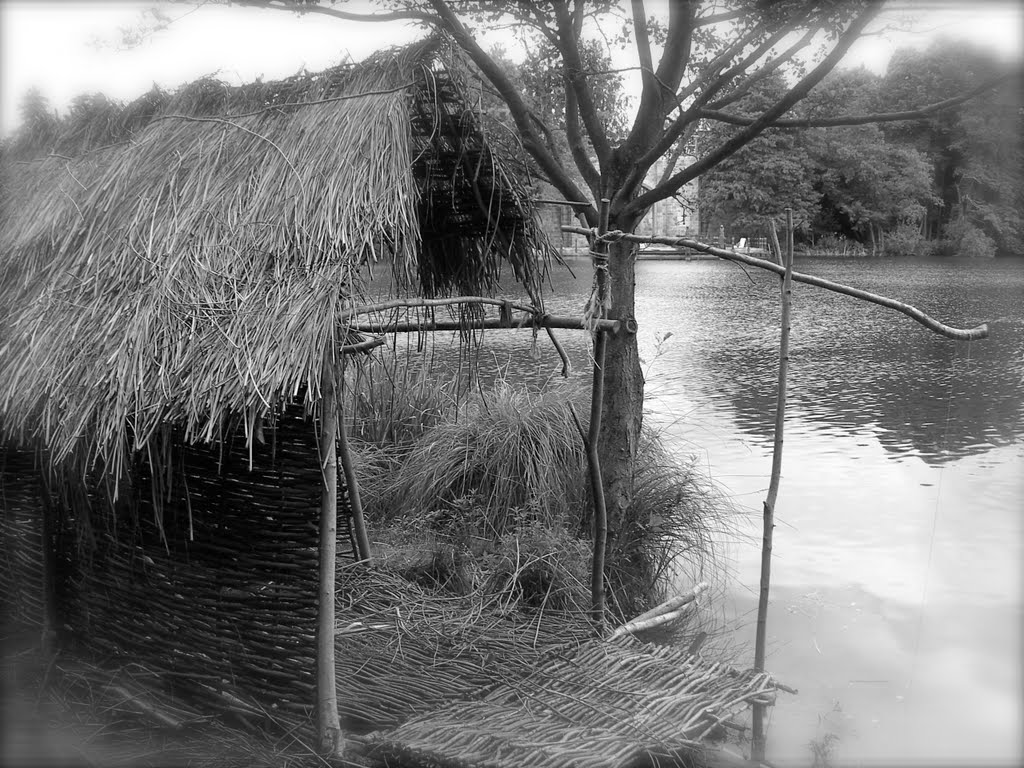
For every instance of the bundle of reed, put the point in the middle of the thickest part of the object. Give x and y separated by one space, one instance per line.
198 269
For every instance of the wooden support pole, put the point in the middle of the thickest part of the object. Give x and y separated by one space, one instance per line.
530 321
758 744
597 584
362 539
332 741
597 595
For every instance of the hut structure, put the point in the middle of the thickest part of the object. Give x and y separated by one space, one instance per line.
181 282
177 290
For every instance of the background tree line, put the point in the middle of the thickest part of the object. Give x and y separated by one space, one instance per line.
950 184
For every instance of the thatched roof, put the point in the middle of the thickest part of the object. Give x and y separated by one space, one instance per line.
191 256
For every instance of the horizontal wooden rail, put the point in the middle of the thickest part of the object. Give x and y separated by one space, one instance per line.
537 321
369 309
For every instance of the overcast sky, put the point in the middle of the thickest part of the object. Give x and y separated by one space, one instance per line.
67 48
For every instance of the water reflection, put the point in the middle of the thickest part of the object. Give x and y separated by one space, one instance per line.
853 367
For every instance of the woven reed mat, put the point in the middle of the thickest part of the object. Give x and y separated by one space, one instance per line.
616 703
404 651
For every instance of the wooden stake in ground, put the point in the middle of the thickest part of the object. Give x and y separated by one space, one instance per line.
332 741
599 249
758 746
362 539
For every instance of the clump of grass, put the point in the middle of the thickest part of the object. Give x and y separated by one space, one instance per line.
395 403
668 532
540 567
506 450
500 480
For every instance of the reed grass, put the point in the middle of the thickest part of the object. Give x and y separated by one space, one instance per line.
516 455
187 258
500 476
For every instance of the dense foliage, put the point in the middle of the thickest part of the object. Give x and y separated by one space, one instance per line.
952 183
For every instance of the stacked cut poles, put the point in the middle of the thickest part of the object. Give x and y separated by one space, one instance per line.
328 721
758 746
600 255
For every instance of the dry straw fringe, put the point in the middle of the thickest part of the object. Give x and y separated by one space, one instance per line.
200 269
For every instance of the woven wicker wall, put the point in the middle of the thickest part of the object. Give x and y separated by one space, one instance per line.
21 565
224 603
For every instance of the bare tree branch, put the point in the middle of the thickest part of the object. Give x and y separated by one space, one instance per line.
643 43
578 84
783 105
302 8
743 88
658 95
540 25
718 79
676 152
960 334
879 117
718 18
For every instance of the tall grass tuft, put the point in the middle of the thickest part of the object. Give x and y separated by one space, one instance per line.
515 455
669 531
500 477
396 403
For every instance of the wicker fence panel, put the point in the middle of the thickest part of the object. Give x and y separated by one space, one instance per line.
220 597
21 564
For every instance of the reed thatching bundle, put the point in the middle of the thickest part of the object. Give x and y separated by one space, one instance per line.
193 255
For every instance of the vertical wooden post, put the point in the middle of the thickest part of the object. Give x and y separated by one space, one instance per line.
597 585
362 539
332 741
758 745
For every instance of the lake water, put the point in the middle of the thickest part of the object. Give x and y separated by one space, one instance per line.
896 603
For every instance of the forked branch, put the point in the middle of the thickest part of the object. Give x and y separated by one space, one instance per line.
959 334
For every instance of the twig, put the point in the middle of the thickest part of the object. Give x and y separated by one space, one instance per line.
363 346
566 365
758 743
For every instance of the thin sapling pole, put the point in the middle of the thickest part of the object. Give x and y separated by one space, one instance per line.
758 746
597 584
332 741
362 539
597 600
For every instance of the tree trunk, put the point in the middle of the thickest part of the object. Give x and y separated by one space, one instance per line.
623 392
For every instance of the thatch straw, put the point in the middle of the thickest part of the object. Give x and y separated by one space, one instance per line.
197 266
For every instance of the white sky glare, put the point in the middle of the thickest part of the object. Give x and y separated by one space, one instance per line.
51 45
